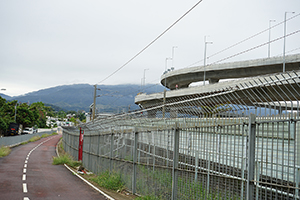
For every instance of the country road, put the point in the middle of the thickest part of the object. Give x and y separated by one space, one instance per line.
28 173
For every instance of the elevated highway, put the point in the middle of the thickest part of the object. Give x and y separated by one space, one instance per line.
213 73
259 83
277 87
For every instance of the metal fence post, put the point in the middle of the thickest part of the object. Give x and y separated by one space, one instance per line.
111 151
196 165
90 147
208 172
134 161
80 148
297 139
98 154
175 162
251 157
257 178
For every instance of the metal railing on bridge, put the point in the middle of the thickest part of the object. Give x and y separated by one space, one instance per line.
240 142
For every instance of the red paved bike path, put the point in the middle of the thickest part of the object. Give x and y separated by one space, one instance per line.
42 180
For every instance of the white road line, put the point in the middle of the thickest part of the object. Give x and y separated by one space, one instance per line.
25 188
95 188
25 166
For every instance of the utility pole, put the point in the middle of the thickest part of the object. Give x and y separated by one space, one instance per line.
94 106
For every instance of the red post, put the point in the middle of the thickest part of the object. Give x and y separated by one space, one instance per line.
80 147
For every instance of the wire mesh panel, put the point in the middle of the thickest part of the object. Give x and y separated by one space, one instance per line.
203 144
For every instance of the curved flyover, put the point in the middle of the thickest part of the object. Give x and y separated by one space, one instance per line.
213 73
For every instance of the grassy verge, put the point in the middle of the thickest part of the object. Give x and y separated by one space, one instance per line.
36 138
114 186
65 159
4 151
147 198
111 181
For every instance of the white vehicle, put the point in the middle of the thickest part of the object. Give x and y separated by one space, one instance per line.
28 130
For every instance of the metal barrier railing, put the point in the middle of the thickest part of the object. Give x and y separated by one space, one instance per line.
239 142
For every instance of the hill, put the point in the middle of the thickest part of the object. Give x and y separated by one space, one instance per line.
112 98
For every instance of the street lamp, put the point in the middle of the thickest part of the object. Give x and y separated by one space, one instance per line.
205 43
284 39
165 90
166 63
272 20
173 55
144 78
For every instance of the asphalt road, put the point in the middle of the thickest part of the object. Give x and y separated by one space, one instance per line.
28 173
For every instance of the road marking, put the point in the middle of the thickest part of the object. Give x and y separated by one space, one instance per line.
25 166
95 188
25 188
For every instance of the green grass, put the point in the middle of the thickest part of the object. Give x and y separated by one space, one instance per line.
66 159
4 151
47 135
147 198
110 181
34 138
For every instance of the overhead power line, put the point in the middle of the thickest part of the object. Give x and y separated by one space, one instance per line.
240 42
153 41
258 46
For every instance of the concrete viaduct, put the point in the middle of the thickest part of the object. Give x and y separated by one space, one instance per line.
252 69
213 73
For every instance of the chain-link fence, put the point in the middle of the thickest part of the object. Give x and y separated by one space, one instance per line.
241 141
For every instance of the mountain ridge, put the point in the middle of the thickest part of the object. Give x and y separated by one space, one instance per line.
112 98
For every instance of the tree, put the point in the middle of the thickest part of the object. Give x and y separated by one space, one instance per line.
26 117
3 126
81 116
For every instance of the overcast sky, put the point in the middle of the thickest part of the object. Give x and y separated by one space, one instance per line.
49 43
